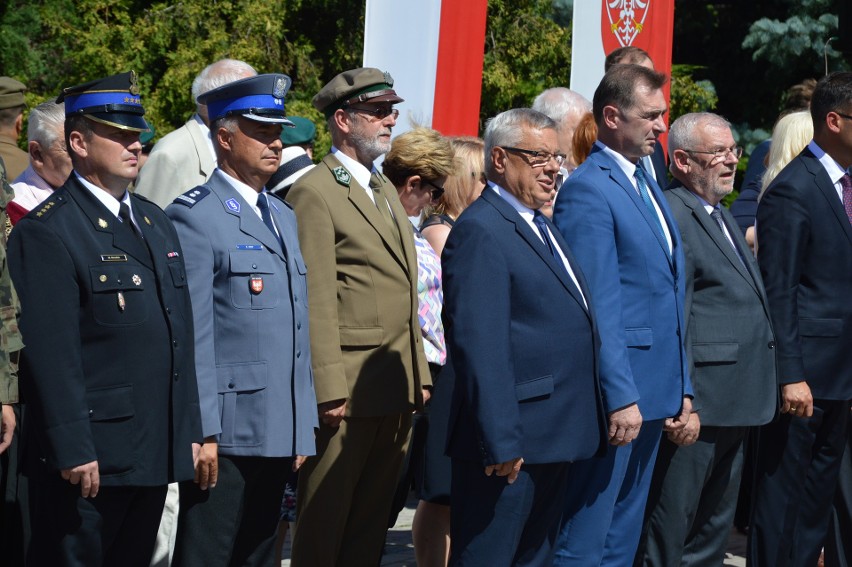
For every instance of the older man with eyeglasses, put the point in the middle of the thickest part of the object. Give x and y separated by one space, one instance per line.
369 366
523 352
731 350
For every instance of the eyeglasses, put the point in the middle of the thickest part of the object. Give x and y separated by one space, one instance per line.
380 112
846 116
537 159
436 192
721 154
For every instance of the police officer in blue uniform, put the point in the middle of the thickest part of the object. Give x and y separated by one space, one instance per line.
108 369
249 301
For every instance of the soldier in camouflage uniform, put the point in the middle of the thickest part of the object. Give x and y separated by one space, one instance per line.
12 536
10 338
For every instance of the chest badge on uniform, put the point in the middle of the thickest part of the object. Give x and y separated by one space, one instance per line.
233 205
256 284
343 177
102 223
136 279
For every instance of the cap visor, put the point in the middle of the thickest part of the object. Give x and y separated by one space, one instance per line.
386 98
268 119
120 120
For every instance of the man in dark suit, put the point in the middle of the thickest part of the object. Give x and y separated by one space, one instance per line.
620 228
249 303
805 251
523 351
368 360
731 353
109 374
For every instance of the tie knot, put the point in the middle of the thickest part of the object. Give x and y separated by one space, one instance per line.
262 202
538 219
846 182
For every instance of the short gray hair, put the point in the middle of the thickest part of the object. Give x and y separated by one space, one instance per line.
218 74
559 101
506 129
684 130
46 123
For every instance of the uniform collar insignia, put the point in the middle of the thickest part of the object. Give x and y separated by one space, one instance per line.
343 177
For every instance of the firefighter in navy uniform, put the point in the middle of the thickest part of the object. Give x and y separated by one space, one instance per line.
108 372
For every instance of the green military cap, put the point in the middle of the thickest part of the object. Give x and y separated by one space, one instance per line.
365 84
303 131
11 93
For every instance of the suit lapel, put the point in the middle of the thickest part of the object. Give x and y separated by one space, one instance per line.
154 238
828 191
617 175
206 162
714 232
526 232
357 195
104 221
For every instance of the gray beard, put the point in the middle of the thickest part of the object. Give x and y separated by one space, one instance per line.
371 147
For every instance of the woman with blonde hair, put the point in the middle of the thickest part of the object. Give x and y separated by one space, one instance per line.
791 134
418 164
460 190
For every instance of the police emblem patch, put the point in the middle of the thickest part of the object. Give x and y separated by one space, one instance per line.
343 177
233 205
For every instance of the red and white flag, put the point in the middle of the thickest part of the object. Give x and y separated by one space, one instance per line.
602 26
434 50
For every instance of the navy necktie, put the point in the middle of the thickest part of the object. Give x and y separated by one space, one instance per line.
263 205
540 223
124 215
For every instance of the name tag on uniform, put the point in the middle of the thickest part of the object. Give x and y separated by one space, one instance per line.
249 246
113 257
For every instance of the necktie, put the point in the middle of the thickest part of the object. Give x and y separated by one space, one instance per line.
124 215
717 216
263 205
383 205
541 225
846 184
642 183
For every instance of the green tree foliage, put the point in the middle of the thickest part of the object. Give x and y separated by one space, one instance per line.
525 53
689 95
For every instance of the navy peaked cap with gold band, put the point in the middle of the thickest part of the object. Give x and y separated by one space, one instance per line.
365 84
112 100
259 98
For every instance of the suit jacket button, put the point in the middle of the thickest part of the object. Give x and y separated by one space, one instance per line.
298 354
231 386
91 413
174 342
771 344
254 266
177 376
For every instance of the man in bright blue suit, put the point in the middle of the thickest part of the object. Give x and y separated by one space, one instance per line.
246 278
523 352
619 226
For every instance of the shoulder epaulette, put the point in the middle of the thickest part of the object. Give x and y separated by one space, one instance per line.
45 209
193 196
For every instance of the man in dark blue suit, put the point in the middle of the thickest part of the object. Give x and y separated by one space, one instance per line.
523 350
805 254
626 241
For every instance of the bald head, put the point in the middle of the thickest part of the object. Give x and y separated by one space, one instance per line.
566 108
216 75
